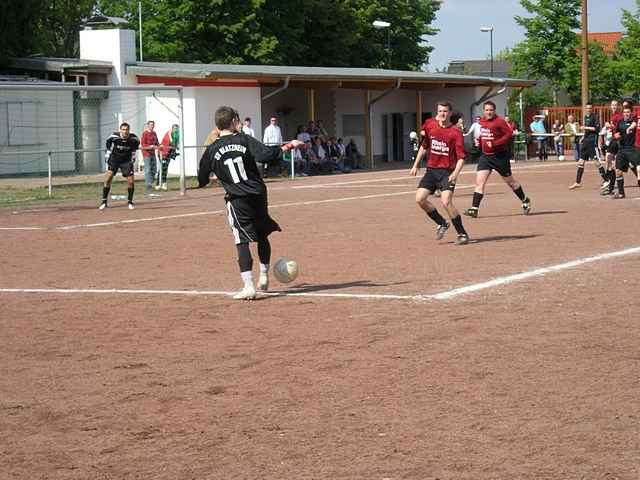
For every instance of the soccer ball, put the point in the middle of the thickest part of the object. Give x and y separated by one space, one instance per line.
285 270
561 158
413 135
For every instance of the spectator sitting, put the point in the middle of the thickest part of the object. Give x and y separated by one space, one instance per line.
300 162
303 135
352 155
321 157
334 154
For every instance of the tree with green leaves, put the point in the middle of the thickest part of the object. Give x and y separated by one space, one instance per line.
604 80
626 60
549 40
282 32
41 27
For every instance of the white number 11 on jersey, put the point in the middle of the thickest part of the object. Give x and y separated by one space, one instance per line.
232 169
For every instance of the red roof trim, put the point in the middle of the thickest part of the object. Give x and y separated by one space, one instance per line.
191 82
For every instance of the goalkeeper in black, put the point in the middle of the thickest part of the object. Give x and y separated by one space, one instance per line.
120 155
233 157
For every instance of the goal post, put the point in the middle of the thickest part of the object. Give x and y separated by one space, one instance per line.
61 130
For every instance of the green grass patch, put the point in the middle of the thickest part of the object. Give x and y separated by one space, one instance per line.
12 196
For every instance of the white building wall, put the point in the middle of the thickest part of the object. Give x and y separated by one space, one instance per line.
36 121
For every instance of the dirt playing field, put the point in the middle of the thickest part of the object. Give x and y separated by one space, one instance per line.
392 356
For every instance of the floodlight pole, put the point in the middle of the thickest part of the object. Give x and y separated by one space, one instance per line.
585 55
490 30
140 27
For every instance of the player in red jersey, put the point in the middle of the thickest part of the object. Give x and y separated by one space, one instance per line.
495 136
446 158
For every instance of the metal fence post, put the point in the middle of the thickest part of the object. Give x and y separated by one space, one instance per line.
183 186
49 173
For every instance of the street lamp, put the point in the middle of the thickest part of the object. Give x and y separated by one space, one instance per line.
387 25
490 30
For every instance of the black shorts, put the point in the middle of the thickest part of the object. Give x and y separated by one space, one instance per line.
626 157
437 179
613 147
249 218
588 150
125 167
500 162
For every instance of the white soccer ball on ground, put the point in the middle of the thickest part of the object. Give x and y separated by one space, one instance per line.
561 158
285 270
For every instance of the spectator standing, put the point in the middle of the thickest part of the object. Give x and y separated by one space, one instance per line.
537 126
150 152
475 130
557 129
169 150
353 155
572 128
272 134
246 127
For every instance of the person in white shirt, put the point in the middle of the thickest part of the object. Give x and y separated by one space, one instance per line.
272 134
246 127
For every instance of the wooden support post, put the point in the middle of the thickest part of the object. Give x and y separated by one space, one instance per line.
368 150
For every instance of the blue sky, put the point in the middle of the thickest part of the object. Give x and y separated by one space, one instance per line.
459 22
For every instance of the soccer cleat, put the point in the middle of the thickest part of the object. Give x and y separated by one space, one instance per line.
462 239
164 187
103 205
606 192
526 206
575 185
471 212
619 196
263 282
605 186
131 206
157 187
441 230
247 293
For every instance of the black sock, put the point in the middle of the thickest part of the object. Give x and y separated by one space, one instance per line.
520 193
130 192
477 198
579 174
105 193
436 217
244 257
457 223
620 182
602 172
264 250
612 180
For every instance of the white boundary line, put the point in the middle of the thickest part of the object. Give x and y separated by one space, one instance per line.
538 272
448 295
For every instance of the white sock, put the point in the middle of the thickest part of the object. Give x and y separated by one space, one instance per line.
247 278
264 268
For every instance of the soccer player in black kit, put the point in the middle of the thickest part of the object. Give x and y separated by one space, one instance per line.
232 157
627 156
121 154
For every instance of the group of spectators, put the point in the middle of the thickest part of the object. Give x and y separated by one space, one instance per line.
320 154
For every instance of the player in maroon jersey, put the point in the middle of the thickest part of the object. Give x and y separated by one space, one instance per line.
446 158
495 136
